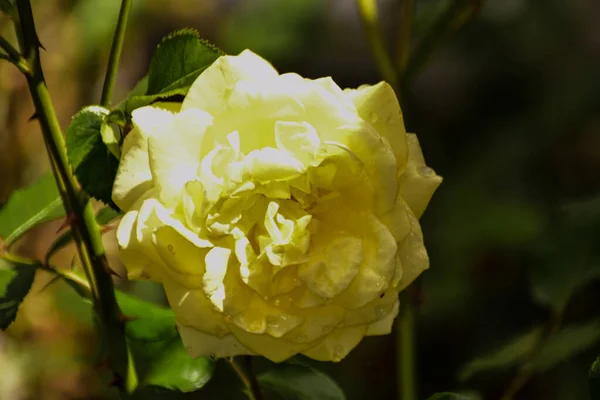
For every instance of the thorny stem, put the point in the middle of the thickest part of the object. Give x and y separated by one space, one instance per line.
83 223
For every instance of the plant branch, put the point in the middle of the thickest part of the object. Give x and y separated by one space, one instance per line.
405 352
13 56
370 21
115 54
78 208
407 9
246 375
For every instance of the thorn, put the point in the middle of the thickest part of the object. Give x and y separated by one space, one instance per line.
107 228
47 285
33 117
112 272
41 45
67 221
124 318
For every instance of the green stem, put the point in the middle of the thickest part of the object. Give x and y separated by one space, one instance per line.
115 54
13 56
246 375
370 21
79 210
407 389
407 9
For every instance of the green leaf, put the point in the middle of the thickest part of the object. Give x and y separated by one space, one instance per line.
565 344
37 203
161 358
448 396
179 59
103 217
568 262
508 355
296 382
94 165
15 283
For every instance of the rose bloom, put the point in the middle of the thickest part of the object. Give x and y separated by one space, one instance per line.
279 213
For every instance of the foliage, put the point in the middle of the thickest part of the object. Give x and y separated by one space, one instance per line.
37 203
15 282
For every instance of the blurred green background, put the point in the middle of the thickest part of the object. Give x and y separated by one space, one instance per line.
507 111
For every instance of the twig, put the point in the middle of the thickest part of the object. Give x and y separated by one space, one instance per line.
246 375
115 54
83 223
405 352
370 21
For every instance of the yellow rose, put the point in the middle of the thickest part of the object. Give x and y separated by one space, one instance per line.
279 213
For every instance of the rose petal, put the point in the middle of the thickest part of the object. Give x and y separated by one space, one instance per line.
379 106
337 344
199 344
210 91
418 182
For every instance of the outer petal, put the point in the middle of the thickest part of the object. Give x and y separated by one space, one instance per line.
194 310
377 158
274 349
418 182
200 344
133 175
412 254
379 105
210 92
337 345
384 325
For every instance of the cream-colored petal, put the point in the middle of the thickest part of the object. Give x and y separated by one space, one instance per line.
337 344
193 309
216 261
199 344
334 263
412 254
318 322
174 153
377 158
134 177
134 237
275 349
372 311
210 91
385 324
184 260
379 255
300 139
269 164
263 318
418 182
379 106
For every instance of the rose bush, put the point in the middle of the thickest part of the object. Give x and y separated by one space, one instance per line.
279 213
